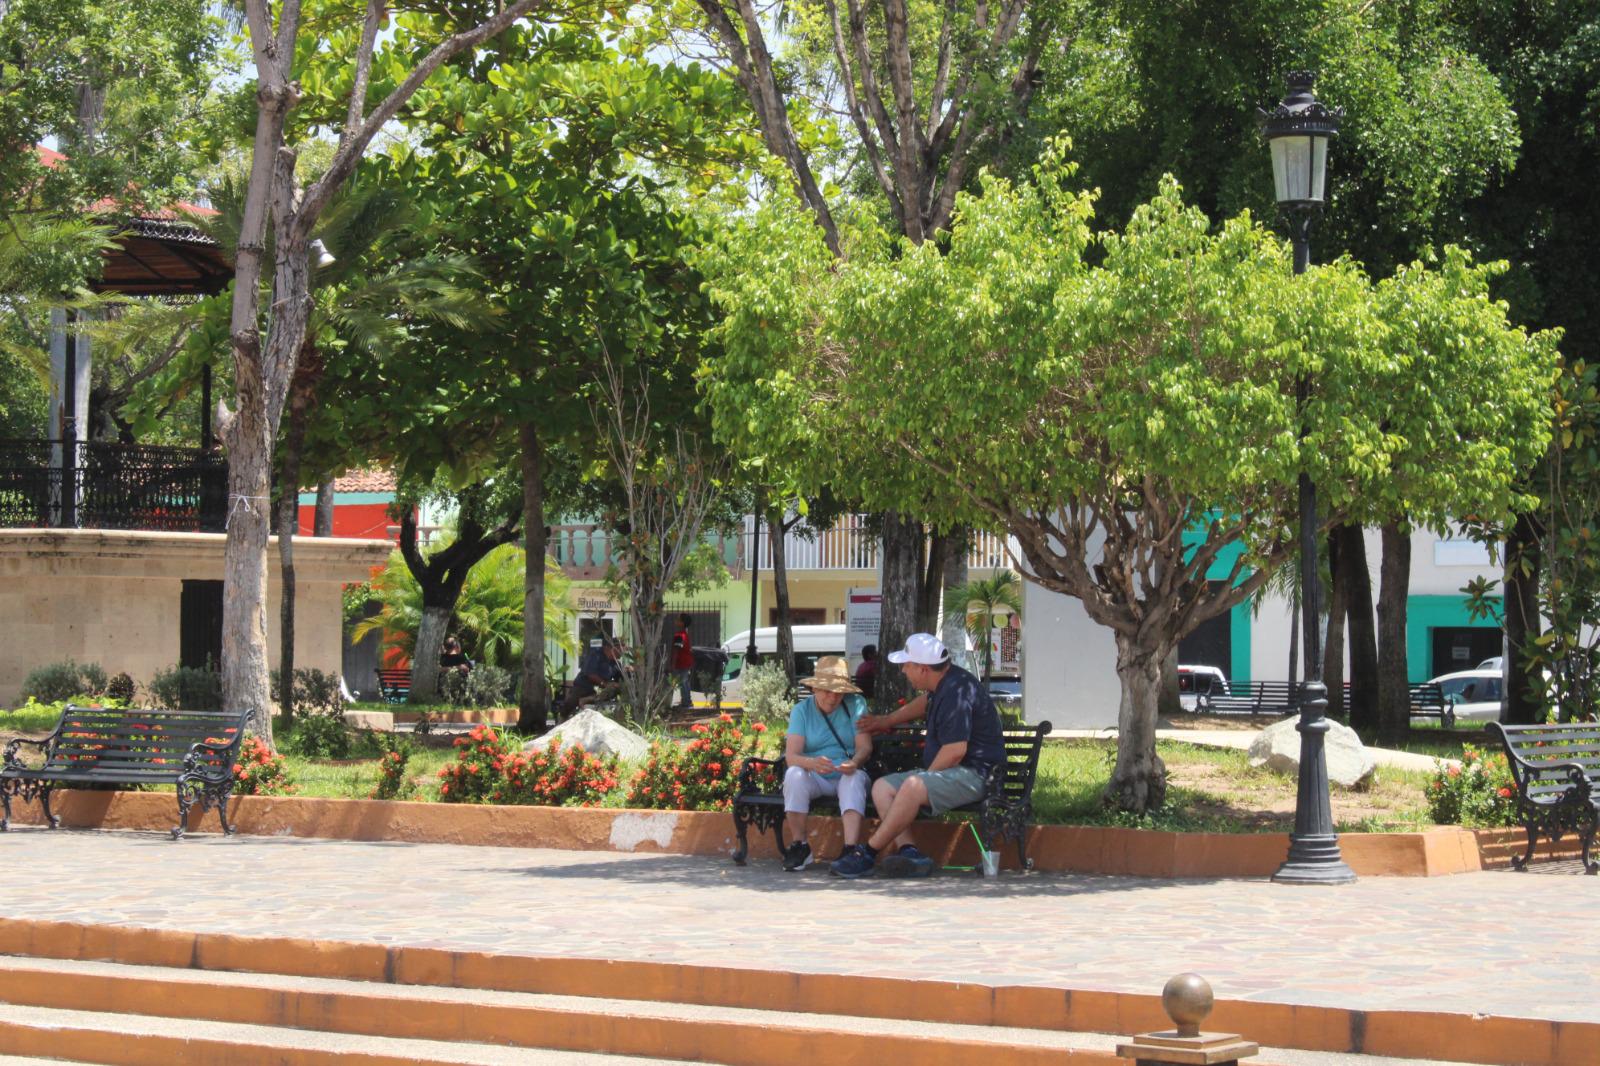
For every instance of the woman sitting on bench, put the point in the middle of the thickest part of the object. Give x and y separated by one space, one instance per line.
826 757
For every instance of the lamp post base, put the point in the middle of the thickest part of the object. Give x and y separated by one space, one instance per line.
1314 860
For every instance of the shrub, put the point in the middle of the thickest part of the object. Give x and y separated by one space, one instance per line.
313 690
122 689
64 680
392 762
260 771
482 686
188 688
767 696
1480 793
702 775
488 770
320 735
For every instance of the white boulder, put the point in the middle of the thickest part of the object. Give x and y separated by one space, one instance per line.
1277 747
595 734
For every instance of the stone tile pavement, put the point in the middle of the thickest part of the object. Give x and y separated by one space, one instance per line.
1442 944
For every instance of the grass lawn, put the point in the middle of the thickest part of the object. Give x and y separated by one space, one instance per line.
1209 789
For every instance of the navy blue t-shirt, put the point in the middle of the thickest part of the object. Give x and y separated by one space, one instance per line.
961 709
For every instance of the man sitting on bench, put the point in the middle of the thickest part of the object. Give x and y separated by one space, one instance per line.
598 673
964 740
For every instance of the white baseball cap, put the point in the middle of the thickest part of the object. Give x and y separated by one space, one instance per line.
923 648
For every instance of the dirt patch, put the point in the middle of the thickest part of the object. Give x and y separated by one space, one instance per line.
1264 800
1233 723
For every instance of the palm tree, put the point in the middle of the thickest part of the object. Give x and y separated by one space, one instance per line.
975 605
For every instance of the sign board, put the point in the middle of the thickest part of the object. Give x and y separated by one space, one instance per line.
862 614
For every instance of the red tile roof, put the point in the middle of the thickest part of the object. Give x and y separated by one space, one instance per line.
374 480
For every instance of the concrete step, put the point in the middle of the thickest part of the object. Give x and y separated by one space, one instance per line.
472 1019
133 1040
728 1035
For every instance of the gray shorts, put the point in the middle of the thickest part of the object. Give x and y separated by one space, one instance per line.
955 787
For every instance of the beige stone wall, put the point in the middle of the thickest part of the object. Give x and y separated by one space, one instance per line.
112 597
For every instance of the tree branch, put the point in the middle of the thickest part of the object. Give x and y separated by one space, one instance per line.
857 116
352 145
358 91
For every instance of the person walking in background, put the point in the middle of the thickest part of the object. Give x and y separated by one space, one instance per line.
867 672
683 662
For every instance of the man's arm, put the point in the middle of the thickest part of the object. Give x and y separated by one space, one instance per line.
882 723
949 755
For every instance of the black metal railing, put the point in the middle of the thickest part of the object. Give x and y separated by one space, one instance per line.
98 485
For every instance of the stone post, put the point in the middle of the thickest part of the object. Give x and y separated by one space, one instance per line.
1187 1000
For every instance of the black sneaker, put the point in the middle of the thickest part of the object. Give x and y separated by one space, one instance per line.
797 856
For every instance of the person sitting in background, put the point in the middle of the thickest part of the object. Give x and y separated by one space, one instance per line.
826 757
598 673
451 657
867 672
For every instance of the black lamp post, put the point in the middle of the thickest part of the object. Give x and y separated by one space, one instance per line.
1298 131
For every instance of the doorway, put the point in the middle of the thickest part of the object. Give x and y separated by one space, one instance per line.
1464 647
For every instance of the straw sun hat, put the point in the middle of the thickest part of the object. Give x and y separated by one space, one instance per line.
833 675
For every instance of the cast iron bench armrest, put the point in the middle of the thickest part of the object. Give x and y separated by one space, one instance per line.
747 773
15 744
192 764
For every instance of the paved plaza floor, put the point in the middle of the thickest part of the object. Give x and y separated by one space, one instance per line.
1439 944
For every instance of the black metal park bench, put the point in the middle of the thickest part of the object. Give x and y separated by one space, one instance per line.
93 746
1004 813
1427 701
1253 697
1557 771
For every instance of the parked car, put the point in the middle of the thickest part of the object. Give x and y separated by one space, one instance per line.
1196 685
810 644
1478 695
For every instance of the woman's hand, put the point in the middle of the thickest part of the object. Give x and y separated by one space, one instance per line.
848 767
823 765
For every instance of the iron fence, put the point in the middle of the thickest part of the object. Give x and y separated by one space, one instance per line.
56 484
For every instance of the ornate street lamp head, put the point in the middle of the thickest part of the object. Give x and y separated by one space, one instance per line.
1297 131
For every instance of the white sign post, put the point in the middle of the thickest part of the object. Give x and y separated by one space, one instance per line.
862 614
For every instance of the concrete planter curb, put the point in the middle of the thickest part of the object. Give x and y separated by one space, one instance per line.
1060 848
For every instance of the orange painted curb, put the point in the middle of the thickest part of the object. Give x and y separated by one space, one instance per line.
1060 848
1473 1038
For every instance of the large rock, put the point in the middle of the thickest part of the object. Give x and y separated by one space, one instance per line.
595 734
1277 747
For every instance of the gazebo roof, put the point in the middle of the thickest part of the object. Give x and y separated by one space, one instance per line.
158 253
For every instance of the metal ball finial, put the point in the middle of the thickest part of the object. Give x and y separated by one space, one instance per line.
1187 1000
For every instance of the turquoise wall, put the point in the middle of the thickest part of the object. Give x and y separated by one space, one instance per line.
1239 617
1424 614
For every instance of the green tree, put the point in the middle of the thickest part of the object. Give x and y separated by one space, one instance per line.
1122 403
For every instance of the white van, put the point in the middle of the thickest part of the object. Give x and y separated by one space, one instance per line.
810 644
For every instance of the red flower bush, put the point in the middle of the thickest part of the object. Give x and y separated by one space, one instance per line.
1479 793
260 771
702 775
486 770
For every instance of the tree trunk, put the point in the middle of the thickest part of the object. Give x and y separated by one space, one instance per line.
323 524
1361 634
1394 696
1139 781
430 642
777 530
288 525
902 566
1524 562
930 582
533 707
1167 701
244 615
1333 649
